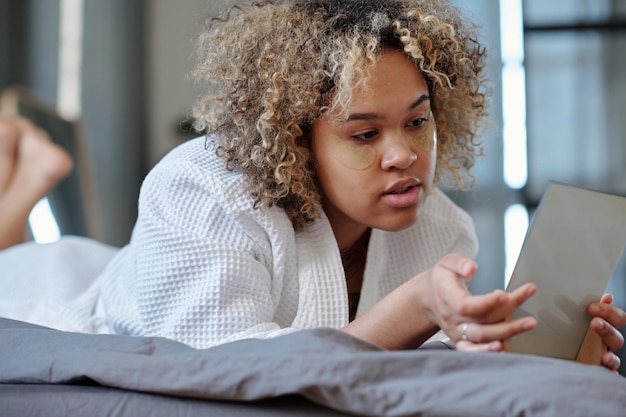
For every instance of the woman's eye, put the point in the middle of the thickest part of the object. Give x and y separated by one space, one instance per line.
418 122
364 136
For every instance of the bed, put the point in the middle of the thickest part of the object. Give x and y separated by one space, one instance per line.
318 372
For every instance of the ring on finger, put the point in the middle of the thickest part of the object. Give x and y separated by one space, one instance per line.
464 327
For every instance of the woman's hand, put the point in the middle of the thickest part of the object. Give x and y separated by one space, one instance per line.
473 322
606 320
438 298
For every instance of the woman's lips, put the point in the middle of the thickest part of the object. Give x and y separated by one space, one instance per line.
403 193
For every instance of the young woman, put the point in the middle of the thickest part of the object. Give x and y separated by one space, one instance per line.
313 198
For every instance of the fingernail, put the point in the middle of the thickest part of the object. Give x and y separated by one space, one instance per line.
495 346
594 310
529 324
467 267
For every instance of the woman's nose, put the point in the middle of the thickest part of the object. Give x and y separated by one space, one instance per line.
397 153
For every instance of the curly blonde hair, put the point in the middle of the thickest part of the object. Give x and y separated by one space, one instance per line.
272 68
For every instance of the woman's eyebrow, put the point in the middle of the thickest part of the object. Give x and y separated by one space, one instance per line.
420 100
376 116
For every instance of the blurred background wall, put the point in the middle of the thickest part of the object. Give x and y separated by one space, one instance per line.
557 111
134 58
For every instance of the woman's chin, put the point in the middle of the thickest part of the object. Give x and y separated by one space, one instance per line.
398 223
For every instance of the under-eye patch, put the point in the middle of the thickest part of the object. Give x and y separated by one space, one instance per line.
359 156
426 138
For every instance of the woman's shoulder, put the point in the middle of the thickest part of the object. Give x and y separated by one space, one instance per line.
198 155
192 169
192 182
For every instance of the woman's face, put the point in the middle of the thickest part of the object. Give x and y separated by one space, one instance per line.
376 162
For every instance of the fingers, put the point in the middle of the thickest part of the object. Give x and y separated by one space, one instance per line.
612 314
481 305
496 305
606 298
606 320
611 361
477 333
449 277
487 316
460 265
610 336
466 346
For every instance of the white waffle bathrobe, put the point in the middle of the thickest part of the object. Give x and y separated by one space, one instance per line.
204 267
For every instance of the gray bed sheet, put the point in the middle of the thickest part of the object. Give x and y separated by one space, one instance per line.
58 400
325 369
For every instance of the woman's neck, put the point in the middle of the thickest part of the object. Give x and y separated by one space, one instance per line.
359 244
347 233
354 260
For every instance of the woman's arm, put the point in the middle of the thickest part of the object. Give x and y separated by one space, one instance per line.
438 298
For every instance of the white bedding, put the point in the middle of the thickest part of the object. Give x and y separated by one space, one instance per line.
30 288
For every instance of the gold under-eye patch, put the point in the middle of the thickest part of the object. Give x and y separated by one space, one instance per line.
351 156
361 156
426 140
